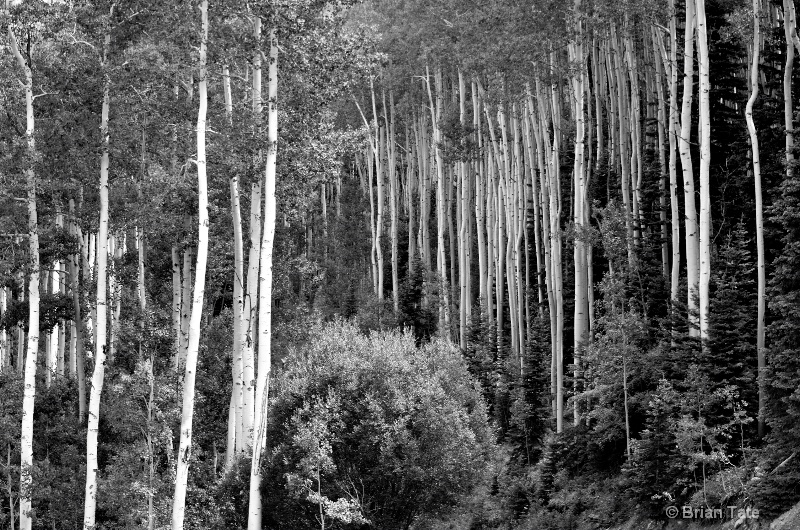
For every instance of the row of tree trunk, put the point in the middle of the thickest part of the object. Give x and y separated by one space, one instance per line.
252 308
494 182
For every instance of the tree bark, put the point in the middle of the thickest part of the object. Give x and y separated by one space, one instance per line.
690 209
705 161
93 423
29 379
187 410
762 277
265 291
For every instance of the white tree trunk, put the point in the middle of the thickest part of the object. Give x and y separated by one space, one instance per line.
265 291
93 423
187 411
762 277
690 209
29 381
705 161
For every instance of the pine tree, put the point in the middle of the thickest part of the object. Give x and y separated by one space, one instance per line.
782 488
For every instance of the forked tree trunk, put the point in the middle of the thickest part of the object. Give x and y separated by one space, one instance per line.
265 291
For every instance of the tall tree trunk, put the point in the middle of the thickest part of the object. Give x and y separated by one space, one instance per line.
265 290
176 305
251 298
705 161
393 204
29 381
581 319
436 109
690 210
379 199
187 411
93 423
762 277
235 433
77 319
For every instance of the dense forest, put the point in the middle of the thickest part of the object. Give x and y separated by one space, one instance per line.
486 264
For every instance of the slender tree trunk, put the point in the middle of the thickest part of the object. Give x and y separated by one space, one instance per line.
436 109
762 277
251 297
249 317
93 423
265 291
379 200
187 411
77 319
705 161
235 423
186 309
690 210
29 381
463 271
581 319
393 200
176 305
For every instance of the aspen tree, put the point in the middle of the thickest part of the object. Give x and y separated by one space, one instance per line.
186 309
480 201
690 209
176 304
374 173
705 161
555 232
372 251
671 64
463 271
756 157
436 111
410 180
93 422
379 198
57 335
29 378
116 250
249 313
265 290
425 193
506 212
662 127
391 142
520 247
581 316
187 410
530 166
635 129
496 216
548 112
235 438
623 135
250 310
